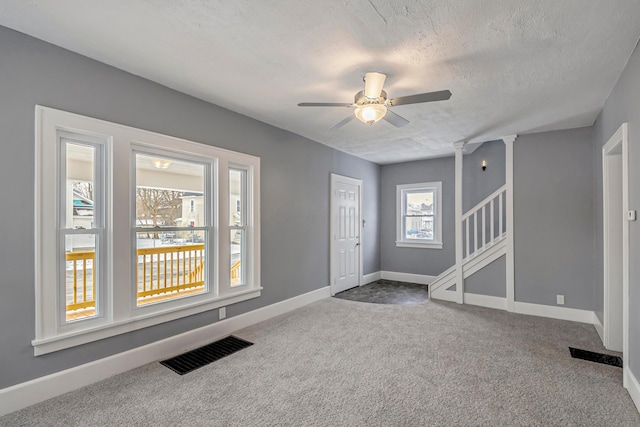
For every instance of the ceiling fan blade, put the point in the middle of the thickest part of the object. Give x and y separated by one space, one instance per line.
395 119
325 104
342 122
373 83
441 95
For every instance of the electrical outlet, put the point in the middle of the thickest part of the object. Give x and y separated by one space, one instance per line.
560 299
222 312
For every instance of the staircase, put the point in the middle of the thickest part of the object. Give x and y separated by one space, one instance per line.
484 240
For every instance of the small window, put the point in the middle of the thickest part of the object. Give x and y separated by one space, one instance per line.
419 215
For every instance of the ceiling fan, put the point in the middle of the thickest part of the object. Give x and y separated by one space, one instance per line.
371 104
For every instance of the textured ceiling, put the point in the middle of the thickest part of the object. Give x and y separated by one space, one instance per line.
513 66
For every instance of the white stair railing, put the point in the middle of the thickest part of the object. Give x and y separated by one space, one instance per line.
485 224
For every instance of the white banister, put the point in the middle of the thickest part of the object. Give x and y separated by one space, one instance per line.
492 221
475 231
485 222
467 233
484 202
500 217
484 229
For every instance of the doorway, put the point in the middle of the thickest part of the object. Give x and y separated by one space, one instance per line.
615 242
345 230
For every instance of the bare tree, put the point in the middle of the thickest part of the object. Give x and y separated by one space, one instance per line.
155 207
84 188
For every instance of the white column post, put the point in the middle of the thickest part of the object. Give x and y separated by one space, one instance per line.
510 258
458 226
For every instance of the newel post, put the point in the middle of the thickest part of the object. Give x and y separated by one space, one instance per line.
510 258
459 146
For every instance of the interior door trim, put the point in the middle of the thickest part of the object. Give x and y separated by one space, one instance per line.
335 178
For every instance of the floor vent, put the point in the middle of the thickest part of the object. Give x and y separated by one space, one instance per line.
591 356
202 356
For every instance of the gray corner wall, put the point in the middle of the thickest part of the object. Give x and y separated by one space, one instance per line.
623 105
553 215
430 262
295 190
476 183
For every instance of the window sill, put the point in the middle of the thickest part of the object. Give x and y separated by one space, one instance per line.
424 245
63 341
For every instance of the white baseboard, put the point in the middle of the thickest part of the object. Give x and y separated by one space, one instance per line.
499 303
444 295
632 385
31 392
553 312
599 327
421 279
561 313
370 278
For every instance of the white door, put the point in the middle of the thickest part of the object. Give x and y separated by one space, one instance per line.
345 233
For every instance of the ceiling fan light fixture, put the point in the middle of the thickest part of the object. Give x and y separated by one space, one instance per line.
370 113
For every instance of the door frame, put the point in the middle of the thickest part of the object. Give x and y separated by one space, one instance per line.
333 268
616 145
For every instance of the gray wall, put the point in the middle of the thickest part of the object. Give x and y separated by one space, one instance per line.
295 190
553 235
476 183
622 106
417 260
491 280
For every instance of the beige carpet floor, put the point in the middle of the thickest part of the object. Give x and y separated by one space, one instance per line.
346 363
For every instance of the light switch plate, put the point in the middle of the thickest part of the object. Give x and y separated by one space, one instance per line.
631 215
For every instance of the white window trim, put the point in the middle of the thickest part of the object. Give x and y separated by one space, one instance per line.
121 314
401 242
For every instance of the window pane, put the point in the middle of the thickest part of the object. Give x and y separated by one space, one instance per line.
419 203
236 196
419 228
170 265
237 255
80 279
169 192
80 186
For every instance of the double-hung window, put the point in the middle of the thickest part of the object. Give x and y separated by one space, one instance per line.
81 214
238 211
172 243
419 215
135 228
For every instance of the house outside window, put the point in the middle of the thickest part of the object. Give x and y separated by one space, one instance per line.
175 268
116 252
419 215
